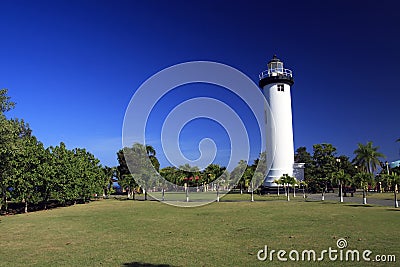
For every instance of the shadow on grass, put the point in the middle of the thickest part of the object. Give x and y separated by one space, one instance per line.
325 202
142 264
14 208
361 205
122 198
394 209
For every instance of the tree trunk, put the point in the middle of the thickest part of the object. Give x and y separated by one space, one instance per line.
396 203
4 200
287 194
26 206
46 199
252 192
364 197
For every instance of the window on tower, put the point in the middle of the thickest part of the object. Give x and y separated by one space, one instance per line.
281 88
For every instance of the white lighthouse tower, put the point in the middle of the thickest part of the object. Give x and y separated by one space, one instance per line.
275 83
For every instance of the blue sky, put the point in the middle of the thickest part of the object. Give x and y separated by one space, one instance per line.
73 66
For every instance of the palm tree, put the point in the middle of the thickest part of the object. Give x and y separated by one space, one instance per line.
285 185
278 182
396 179
151 153
323 186
150 150
303 184
363 179
293 182
341 178
367 157
288 180
391 181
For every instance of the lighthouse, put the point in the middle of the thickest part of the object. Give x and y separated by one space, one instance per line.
275 84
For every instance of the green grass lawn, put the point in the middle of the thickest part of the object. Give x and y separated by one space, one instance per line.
136 233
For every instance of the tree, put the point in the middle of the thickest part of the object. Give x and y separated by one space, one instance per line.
151 153
108 173
8 138
391 182
48 176
349 170
363 179
324 159
287 181
88 175
346 165
245 181
278 182
396 181
341 178
189 173
64 185
25 172
322 166
5 101
303 184
367 157
237 174
30 174
302 156
170 174
213 172
136 169
8 135
259 170
125 179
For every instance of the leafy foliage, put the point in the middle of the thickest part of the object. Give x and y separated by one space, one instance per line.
325 169
30 173
367 157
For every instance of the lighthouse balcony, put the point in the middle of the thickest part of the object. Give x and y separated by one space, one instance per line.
276 72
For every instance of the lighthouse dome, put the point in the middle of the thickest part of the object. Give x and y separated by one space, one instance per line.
275 73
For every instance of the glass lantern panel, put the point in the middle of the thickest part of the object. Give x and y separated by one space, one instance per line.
276 66
279 66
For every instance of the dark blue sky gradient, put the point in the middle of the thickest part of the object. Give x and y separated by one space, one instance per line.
72 66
